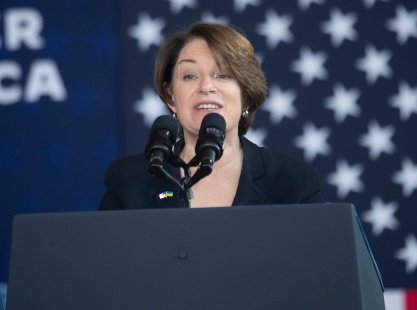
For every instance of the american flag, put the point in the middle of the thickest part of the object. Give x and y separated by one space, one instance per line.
342 79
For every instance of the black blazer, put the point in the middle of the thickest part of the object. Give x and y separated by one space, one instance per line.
267 177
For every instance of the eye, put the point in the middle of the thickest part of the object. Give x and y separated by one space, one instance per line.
223 76
189 77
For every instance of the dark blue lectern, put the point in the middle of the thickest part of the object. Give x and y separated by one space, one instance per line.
252 257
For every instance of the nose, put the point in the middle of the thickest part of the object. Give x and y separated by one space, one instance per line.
207 86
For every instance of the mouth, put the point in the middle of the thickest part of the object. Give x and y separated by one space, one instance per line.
208 106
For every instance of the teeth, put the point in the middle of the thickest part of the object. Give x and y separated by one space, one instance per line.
207 106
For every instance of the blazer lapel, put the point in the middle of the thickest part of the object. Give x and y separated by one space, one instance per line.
248 193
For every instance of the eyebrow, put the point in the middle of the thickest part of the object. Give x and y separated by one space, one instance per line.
186 60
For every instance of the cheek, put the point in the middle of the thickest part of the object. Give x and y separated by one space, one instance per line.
180 92
176 96
235 94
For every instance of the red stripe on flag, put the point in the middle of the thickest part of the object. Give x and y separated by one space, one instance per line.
411 299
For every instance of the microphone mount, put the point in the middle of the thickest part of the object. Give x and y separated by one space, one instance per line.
187 181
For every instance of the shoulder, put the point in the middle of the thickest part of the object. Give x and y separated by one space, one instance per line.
125 171
129 165
271 159
281 174
129 185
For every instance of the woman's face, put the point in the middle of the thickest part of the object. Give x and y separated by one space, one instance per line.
199 88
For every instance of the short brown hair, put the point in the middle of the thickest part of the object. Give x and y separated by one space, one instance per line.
232 52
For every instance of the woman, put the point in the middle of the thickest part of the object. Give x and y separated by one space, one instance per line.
212 68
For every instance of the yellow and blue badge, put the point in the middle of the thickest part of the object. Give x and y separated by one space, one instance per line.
166 194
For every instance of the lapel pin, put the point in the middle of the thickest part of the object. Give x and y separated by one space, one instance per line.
166 194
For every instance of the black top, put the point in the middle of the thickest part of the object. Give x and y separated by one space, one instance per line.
267 177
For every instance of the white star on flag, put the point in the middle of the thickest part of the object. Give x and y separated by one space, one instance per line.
240 5
346 178
313 141
259 57
343 103
406 177
208 17
275 28
404 24
150 106
370 3
405 101
378 140
147 31
178 5
257 136
340 27
279 104
381 216
310 65
305 4
375 64
409 254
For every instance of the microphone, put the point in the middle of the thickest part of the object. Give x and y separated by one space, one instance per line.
164 133
209 146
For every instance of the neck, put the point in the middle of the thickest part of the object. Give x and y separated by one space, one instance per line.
231 148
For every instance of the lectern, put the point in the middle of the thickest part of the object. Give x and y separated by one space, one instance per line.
250 257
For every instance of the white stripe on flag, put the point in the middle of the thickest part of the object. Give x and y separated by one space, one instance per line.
394 299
